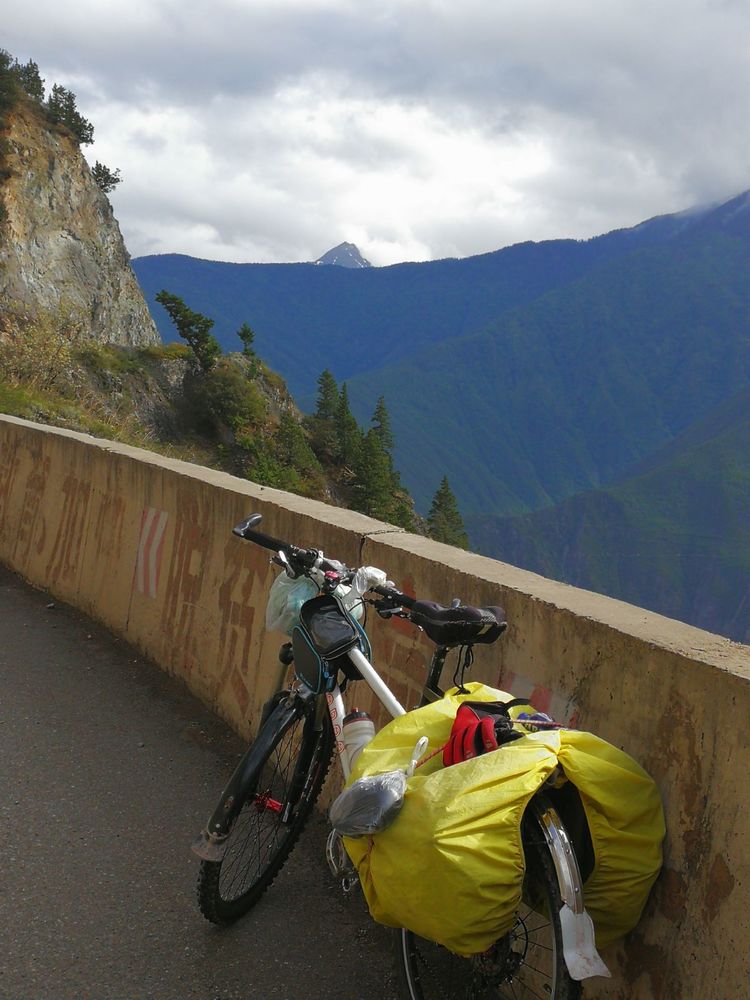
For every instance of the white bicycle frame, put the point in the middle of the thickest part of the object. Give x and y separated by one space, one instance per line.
335 702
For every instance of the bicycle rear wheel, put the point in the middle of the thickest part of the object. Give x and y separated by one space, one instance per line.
525 964
280 798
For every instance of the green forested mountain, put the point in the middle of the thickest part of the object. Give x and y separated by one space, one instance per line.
570 390
526 375
308 318
673 537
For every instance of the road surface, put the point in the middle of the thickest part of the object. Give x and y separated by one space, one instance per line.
108 770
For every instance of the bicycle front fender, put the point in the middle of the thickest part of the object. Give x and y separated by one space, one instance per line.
278 713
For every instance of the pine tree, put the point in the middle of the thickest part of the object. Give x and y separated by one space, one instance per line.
30 80
8 81
322 424
328 396
382 425
373 484
106 179
348 432
247 337
377 488
61 108
444 522
193 328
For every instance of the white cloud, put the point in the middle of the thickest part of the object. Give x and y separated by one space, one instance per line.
273 129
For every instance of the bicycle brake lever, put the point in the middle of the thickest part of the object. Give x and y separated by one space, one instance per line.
281 560
392 613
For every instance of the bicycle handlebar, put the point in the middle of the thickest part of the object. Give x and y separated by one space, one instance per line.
396 597
299 559
246 529
305 559
451 626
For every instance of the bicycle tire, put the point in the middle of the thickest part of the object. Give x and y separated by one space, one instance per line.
261 839
526 963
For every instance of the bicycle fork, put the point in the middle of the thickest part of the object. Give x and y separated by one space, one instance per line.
279 713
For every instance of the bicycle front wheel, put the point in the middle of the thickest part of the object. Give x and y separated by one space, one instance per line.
280 798
525 964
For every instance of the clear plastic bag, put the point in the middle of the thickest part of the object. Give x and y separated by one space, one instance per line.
369 805
351 601
285 600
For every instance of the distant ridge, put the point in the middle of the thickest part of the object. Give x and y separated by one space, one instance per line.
525 375
344 255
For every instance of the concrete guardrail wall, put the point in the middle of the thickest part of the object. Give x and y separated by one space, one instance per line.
143 544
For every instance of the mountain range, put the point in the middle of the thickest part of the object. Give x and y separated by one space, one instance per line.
525 375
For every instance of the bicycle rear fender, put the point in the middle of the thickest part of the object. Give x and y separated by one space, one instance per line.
579 949
278 712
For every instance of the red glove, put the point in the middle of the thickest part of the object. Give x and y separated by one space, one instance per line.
472 735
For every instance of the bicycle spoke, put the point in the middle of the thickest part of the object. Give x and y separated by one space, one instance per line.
532 968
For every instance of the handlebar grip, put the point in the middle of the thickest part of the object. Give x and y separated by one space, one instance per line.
246 529
396 596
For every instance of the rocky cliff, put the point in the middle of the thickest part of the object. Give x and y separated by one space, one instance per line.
60 246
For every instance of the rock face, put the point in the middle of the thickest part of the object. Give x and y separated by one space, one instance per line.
60 247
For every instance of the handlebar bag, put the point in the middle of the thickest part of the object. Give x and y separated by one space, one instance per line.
324 633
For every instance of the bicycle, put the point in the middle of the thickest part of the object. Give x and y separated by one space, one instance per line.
264 807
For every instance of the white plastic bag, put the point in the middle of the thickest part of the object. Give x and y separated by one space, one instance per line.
367 577
285 600
351 600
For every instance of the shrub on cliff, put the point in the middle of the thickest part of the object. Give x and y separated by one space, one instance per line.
225 398
194 328
37 351
106 179
61 109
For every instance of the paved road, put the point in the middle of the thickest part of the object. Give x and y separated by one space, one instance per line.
108 769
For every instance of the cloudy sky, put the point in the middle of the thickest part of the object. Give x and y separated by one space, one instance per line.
271 130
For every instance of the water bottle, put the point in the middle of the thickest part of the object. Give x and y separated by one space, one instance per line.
358 729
